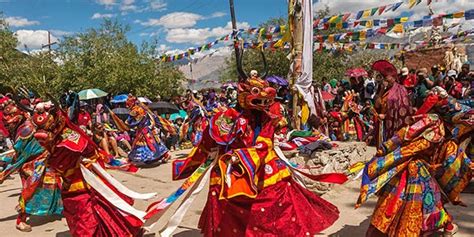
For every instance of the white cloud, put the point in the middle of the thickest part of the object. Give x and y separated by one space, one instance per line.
179 20
16 21
201 35
100 16
33 39
128 5
158 5
60 33
175 20
218 14
107 2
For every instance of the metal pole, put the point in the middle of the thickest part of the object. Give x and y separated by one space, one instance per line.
234 30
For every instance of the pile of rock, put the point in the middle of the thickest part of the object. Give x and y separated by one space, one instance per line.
337 160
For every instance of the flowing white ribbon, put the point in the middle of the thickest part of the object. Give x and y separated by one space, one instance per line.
119 186
98 185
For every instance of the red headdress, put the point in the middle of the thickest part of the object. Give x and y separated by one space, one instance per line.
385 68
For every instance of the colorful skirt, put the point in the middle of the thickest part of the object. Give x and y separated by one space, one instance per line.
144 152
41 194
282 209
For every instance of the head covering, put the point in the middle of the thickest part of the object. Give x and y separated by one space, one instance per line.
333 83
404 71
385 68
422 71
452 73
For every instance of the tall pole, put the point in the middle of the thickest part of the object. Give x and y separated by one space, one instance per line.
296 25
49 42
234 31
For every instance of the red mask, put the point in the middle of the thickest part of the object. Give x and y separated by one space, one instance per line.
256 93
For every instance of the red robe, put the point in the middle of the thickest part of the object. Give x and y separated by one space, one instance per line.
86 211
263 199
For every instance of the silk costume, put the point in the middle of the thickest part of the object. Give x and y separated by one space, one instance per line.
95 204
422 167
252 191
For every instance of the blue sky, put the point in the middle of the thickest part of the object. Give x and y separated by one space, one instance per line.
177 24
170 21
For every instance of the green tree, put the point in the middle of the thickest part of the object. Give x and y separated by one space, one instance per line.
104 58
20 69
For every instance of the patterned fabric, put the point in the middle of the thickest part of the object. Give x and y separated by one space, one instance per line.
147 146
409 175
257 194
40 193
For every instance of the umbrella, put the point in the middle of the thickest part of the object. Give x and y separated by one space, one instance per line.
327 96
90 94
182 114
119 99
144 100
163 107
357 72
122 113
277 80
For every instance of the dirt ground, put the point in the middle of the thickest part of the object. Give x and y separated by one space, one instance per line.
351 223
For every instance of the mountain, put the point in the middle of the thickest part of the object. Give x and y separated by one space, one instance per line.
205 72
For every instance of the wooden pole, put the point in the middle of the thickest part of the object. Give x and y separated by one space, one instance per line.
234 31
296 15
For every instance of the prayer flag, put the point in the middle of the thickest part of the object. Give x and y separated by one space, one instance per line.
398 28
369 23
366 13
346 16
359 15
418 23
374 10
334 19
469 15
331 39
390 22
458 15
449 16
382 9
396 6
403 19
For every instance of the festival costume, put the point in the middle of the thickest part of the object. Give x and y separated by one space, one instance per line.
252 191
147 146
95 204
40 194
419 169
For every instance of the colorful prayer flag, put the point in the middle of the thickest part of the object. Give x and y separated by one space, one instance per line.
373 11
396 6
359 15
458 15
469 15
366 13
382 9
